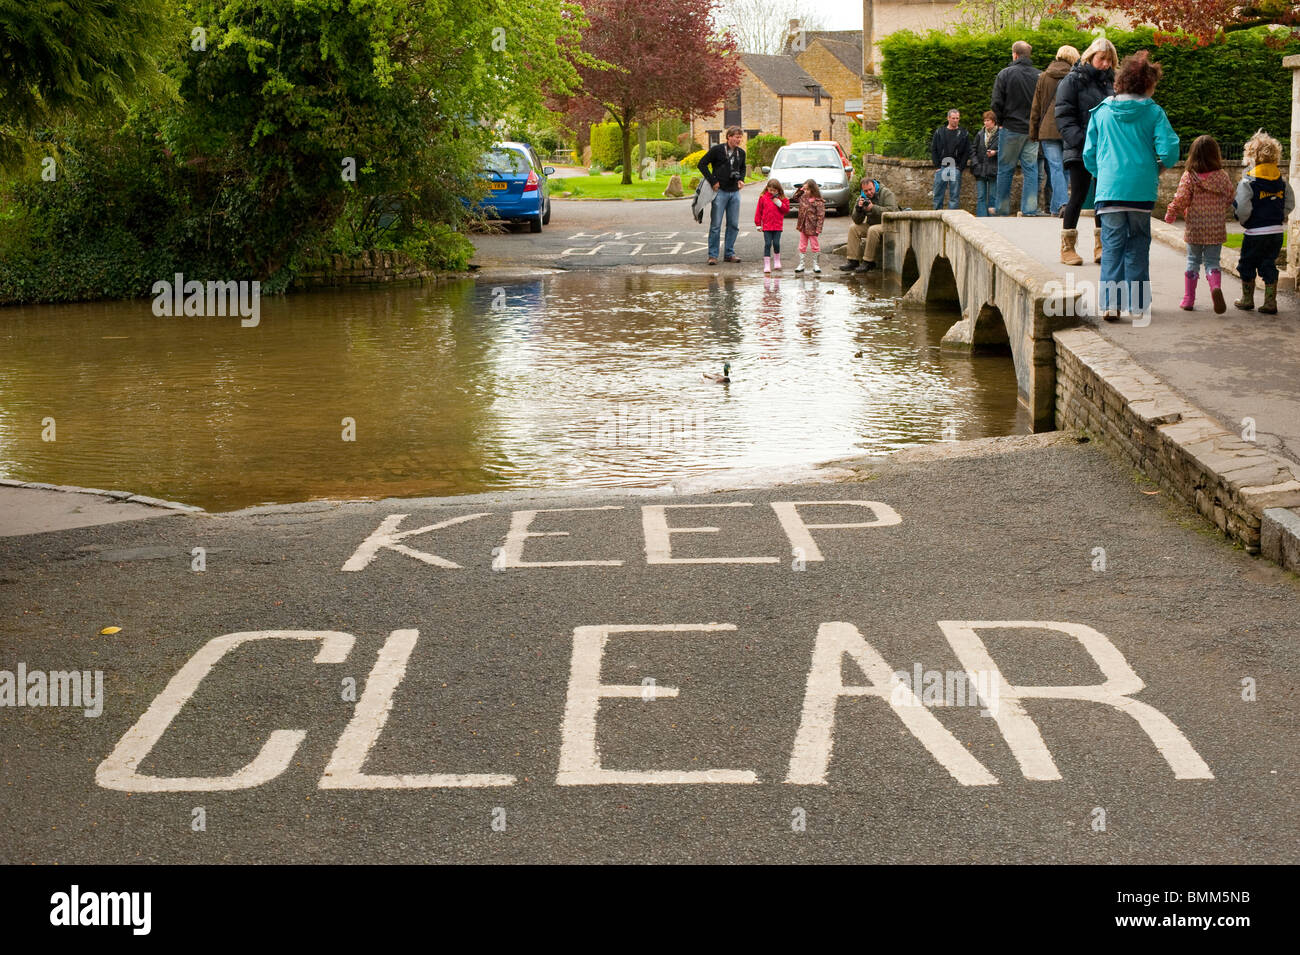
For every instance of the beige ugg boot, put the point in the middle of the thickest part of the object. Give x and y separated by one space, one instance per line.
1096 243
1068 255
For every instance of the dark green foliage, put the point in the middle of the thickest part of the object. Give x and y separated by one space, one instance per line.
607 143
659 149
761 150
1227 90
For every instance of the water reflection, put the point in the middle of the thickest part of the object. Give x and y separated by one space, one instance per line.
580 379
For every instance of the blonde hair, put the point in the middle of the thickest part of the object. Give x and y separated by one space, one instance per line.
1100 45
1068 53
1262 148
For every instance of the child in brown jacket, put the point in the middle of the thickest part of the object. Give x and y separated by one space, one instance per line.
812 216
1204 197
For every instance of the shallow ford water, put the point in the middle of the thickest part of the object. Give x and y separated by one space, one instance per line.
575 380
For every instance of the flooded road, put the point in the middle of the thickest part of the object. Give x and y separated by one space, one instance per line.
575 380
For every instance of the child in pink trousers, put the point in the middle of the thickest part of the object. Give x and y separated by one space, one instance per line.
812 215
1204 197
770 217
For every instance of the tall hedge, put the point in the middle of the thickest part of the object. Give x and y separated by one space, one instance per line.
607 144
1227 89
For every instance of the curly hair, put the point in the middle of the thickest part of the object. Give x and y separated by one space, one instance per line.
1137 74
1262 148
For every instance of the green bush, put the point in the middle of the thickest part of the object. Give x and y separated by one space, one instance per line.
607 143
1227 89
659 149
595 169
760 150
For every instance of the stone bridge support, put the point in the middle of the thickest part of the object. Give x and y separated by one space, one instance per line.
947 258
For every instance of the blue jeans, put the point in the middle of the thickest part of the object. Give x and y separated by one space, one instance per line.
953 183
771 243
1013 148
1209 254
984 195
728 204
1125 262
1053 152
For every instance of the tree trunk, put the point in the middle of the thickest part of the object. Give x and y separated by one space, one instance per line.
627 147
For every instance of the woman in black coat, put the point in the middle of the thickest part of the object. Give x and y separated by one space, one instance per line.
1090 81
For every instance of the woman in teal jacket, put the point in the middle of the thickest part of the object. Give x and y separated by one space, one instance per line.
1129 139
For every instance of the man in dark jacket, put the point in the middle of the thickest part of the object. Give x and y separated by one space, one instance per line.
863 245
1013 101
724 168
1042 123
949 151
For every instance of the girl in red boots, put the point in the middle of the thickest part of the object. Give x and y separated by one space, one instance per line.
770 217
1204 197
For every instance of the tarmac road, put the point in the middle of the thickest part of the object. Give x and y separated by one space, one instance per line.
659 234
496 683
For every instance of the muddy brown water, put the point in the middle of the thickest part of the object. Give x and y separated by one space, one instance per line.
574 380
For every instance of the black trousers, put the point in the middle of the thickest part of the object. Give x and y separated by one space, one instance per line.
1080 183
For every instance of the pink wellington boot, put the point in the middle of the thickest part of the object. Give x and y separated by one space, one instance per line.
1215 279
776 261
1189 291
767 265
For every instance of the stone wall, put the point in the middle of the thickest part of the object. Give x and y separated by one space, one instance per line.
365 269
913 183
1234 483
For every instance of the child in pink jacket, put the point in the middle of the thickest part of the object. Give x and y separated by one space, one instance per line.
812 216
770 217
1204 197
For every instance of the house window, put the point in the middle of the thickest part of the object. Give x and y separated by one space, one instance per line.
715 137
817 134
750 134
817 96
731 108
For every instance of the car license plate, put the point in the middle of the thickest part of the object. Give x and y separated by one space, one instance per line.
498 185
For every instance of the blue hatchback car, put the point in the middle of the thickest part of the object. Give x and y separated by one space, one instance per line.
517 185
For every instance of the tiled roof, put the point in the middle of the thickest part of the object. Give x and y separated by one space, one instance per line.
853 37
850 54
781 74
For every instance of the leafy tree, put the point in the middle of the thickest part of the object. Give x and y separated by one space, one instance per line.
296 108
75 55
993 16
661 56
1201 22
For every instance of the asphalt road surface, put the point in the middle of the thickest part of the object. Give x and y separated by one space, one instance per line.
641 709
656 234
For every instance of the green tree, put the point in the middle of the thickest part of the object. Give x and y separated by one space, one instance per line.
75 55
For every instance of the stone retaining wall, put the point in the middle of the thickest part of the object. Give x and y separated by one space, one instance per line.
1250 494
365 269
912 181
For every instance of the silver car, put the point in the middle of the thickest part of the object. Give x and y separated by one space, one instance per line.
820 160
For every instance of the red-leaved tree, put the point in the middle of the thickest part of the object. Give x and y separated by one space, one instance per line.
665 56
1199 21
